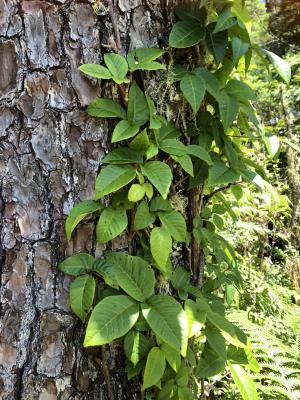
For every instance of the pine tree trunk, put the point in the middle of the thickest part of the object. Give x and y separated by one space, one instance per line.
49 153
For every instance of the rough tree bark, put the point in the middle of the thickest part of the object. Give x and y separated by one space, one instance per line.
49 153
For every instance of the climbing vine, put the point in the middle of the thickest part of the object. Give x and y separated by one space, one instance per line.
172 320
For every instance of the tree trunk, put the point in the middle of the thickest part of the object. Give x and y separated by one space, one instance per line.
48 161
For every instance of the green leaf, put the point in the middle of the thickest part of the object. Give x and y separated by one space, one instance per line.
117 66
124 130
78 213
172 356
141 142
138 112
76 265
161 246
136 346
160 204
95 70
175 224
123 155
113 178
193 87
216 341
106 108
185 393
220 174
225 21
180 279
239 48
155 368
191 12
229 108
227 329
160 175
272 144
82 291
244 382
143 58
211 82
133 275
292 145
186 34
216 42
185 162
282 67
199 152
168 321
136 192
195 316
111 224
112 318
240 90
142 217
173 146
148 190
209 364
155 122
182 377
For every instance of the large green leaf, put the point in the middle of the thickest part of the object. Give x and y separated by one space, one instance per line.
193 88
143 58
141 143
175 224
195 316
95 70
211 82
160 246
220 174
216 341
143 217
173 146
136 346
282 67
122 155
210 364
124 130
240 90
168 321
111 224
185 163
78 213
160 175
160 204
227 329
138 112
113 178
155 367
172 356
244 382
133 275
106 108
112 318
117 66
229 108
186 34
239 48
191 12
82 291
76 265
225 21
216 42
199 152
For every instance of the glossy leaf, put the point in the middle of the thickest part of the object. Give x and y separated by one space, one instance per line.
76 265
155 367
186 34
124 130
111 224
193 87
160 246
96 71
159 174
168 321
133 275
175 224
79 212
106 108
112 318
113 178
138 112
82 291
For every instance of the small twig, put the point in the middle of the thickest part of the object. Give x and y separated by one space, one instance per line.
114 24
221 189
